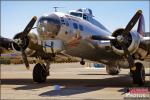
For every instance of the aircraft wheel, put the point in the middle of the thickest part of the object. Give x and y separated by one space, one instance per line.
39 73
139 74
112 70
82 62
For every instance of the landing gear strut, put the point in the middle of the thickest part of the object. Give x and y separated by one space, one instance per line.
40 72
138 75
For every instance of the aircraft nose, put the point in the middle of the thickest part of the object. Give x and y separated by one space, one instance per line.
48 26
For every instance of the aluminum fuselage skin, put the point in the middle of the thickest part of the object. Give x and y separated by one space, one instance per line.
77 42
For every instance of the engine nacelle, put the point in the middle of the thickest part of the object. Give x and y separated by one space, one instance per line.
132 42
30 39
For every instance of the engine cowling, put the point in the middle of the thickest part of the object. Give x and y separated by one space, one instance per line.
132 42
30 39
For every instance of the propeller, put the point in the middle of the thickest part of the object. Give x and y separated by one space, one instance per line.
21 40
123 38
125 33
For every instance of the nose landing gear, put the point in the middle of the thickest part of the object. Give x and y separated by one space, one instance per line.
40 72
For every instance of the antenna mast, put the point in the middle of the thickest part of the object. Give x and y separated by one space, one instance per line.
55 8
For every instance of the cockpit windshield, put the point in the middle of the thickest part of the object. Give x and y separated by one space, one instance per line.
76 14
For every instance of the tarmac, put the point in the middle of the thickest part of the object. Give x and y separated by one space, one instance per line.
67 81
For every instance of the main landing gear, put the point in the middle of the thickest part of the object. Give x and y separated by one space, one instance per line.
40 72
113 70
138 75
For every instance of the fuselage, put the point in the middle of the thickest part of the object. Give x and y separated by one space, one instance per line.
75 32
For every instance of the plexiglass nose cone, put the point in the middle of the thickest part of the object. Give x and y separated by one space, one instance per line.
48 26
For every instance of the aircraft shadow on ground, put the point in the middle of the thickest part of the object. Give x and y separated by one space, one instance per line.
79 86
98 74
89 85
72 86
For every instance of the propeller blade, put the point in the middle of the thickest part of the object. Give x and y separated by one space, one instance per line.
24 57
22 40
98 37
29 26
24 35
128 28
132 22
129 57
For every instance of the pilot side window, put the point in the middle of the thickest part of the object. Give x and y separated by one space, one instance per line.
85 17
75 25
81 27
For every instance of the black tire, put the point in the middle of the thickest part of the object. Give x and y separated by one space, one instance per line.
39 73
139 74
82 62
112 70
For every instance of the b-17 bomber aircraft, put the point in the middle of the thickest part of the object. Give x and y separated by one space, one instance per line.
79 34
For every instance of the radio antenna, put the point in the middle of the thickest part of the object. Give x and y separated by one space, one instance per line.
57 8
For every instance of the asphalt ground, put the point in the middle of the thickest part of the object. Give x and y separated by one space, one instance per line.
66 81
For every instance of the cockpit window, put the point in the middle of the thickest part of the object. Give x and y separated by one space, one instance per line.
85 17
90 11
76 14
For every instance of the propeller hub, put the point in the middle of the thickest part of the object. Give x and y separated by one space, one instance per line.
120 38
20 42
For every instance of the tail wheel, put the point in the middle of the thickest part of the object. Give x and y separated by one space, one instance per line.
112 70
39 73
139 74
